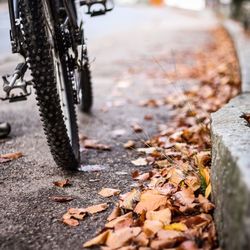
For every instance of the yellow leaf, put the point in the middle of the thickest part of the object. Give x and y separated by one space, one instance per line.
208 190
176 226
205 174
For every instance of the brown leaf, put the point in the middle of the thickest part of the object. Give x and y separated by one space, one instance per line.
188 245
120 238
71 222
118 220
96 208
148 117
61 198
129 144
62 183
185 197
151 227
175 176
93 144
76 213
137 128
205 204
115 213
163 216
141 239
130 199
149 201
98 240
246 116
108 192
10 156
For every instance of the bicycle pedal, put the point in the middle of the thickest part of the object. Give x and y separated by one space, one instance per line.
93 12
16 98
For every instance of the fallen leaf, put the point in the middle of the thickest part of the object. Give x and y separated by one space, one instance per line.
188 245
137 128
118 220
114 214
76 213
148 117
129 144
61 198
246 116
185 197
71 222
119 238
93 144
149 150
141 239
205 204
130 199
151 227
98 240
140 162
176 226
96 208
208 190
150 201
108 192
163 216
62 183
10 156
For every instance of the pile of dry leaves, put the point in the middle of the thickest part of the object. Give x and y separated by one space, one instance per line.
170 208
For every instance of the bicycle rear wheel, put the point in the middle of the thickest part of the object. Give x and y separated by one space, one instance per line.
52 79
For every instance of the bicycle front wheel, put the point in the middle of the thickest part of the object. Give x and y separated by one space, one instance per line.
52 82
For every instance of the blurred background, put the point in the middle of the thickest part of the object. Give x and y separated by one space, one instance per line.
130 11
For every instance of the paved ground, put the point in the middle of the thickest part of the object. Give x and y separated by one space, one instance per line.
29 219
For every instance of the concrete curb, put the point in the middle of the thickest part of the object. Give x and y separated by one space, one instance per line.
231 157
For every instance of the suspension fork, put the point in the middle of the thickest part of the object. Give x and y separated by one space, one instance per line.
14 32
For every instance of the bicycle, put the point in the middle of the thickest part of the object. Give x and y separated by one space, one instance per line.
50 37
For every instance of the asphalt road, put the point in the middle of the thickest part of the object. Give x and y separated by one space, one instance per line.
128 40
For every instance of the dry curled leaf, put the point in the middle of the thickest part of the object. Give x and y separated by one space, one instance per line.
98 240
140 162
108 192
163 216
71 222
10 156
93 144
119 220
129 144
130 199
137 128
61 198
150 201
96 208
62 183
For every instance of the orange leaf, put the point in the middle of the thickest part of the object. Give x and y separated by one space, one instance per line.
118 220
163 216
150 201
96 208
107 192
62 183
12 156
98 240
